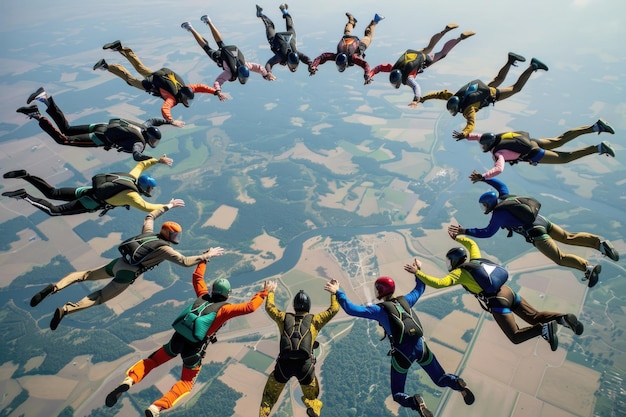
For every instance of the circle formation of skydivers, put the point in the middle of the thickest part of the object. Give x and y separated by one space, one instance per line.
197 325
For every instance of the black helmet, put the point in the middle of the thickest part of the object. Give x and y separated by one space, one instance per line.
243 73
455 257
487 141
292 61
395 78
185 95
453 105
342 62
152 135
301 302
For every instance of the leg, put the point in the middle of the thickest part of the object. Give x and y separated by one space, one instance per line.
121 72
517 87
552 251
102 272
142 368
217 36
67 209
347 30
199 39
507 303
554 157
436 38
270 30
583 239
63 194
565 137
447 47
311 391
502 73
271 392
367 39
179 389
129 54
430 364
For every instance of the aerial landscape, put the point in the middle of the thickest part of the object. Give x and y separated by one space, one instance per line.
303 180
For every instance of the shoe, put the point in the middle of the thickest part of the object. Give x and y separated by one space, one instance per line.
205 19
102 64
37 298
115 45
283 7
378 18
604 148
153 411
468 396
21 193
115 395
259 11
31 111
513 58
604 127
56 319
571 322
20 173
606 249
548 332
186 25
538 65
311 412
351 19
467 34
421 406
39 95
451 26
591 274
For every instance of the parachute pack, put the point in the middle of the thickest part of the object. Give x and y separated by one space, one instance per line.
194 322
136 249
106 186
489 275
404 322
119 130
296 341
524 209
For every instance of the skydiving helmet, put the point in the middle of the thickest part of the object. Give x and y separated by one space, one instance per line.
384 286
455 257
342 62
152 135
488 201
243 73
453 105
146 183
220 288
301 302
395 78
487 141
171 232
185 95
292 61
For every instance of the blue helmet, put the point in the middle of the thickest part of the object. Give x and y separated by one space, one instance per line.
146 182
342 62
243 73
395 78
453 105
488 201
292 61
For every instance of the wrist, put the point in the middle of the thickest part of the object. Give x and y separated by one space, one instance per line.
217 92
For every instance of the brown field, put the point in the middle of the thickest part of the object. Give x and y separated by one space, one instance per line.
337 160
223 217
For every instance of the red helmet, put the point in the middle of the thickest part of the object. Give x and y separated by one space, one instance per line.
384 286
171 231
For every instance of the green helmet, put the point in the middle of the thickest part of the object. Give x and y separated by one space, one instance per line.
221 287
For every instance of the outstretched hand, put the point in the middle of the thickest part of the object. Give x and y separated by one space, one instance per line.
455 230
413 104
165 160
312 71
458 135
476 176
222 96
176 202
270 286
270 77
177 123
213 252
332 286
414 267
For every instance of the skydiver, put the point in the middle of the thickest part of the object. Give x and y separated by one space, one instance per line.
163 83
406 336
473 273
227 57
121 134
296 358
190 348
413 62
350 49
106 192
475 95
283 44
514 147
154 248
541 233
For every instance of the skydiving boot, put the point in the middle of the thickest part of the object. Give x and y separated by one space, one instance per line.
283 8
31 111
420 406
115 46
513 58
186 26
592 275
59 313
571 322
102 64
602 126
604 148
548 332
115 395
205 19
21 193
378 18
37 298
468 396
39 95
467 34
451 26
259 11
351 19
538 65
153 411
607 249
20 173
